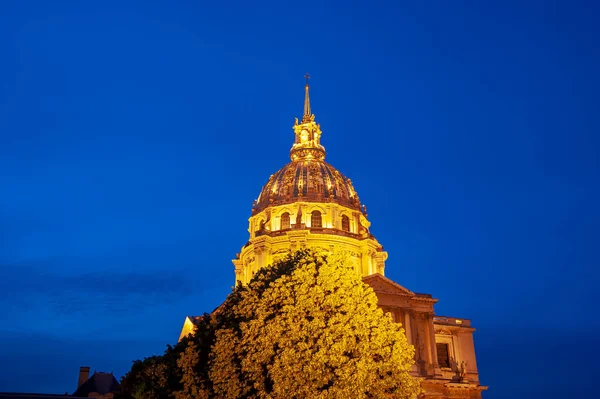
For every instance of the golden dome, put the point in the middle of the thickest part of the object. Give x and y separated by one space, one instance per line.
308 177
308 204
310 180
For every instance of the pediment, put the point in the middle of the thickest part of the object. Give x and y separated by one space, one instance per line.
383 284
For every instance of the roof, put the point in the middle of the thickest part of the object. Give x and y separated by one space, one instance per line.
384 285
101 383
307 180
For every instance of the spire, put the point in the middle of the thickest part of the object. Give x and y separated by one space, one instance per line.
307 114
307 142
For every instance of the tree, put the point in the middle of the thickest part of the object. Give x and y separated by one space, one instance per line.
147 379
308 327
160 377
194 360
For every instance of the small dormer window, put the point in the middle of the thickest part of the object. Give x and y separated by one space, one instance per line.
345 223
315 219
285 221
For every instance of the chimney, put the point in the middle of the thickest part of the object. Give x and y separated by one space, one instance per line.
84 375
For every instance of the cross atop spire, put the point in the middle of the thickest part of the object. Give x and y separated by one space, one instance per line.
307 113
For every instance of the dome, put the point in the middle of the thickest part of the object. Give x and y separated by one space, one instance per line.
308 204
308 177
307 180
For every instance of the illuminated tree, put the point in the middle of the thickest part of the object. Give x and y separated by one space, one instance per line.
148 379
163 377
308 327
193 362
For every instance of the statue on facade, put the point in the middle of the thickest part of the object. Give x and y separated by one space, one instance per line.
460 371
299 218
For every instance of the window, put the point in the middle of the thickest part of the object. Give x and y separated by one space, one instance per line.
345 223
443 355
285 221
260 225
315 219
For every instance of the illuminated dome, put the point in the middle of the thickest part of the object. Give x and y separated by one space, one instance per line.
309 180
308 177
308 204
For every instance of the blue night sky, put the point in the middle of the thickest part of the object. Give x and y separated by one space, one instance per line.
134 137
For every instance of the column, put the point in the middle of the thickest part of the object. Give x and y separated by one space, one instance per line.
434 364
409 337
407 326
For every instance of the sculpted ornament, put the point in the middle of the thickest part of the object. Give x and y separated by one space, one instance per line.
304 136
460 370
352 193
422 315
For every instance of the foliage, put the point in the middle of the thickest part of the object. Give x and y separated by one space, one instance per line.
160 377
310 328
194 361
306 327
147 379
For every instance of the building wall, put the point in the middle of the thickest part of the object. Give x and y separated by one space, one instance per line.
269 242
424 330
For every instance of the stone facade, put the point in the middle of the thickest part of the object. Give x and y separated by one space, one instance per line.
444 348
270 242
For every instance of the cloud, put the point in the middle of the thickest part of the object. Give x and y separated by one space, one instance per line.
50 287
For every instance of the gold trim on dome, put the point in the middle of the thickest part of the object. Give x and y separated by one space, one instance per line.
308 176
321 208
312 180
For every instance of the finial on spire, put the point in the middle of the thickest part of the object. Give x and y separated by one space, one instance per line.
307 113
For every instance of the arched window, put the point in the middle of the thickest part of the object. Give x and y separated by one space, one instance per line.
260 225
315 219
285 221
345 223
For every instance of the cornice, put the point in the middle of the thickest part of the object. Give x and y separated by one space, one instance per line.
454 385
348 238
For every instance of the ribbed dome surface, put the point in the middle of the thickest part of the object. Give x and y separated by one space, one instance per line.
307 180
